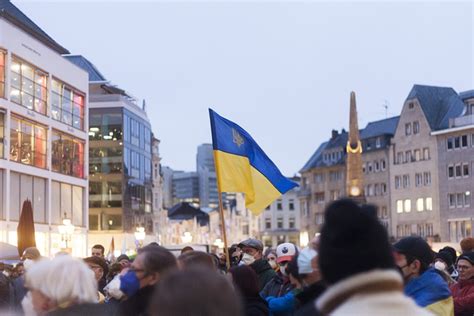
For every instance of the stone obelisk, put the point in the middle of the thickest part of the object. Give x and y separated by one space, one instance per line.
354 176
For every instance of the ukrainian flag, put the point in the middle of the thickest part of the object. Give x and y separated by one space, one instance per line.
242 166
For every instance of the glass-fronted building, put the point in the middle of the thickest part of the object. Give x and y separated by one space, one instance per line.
120 162
43 136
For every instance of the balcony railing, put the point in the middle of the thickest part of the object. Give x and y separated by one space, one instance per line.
462 121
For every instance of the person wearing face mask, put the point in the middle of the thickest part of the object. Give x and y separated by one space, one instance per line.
443 263
423 283
463 291
138 282
271 256
280 285
252 250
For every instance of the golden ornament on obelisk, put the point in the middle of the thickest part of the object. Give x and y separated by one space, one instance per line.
354 176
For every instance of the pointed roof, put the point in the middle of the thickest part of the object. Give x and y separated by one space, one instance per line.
12 14
469 94
84 63
185 211
378 128
439 104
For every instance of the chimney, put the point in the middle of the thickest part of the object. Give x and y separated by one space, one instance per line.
334 134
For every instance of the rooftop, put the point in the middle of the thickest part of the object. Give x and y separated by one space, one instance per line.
84 63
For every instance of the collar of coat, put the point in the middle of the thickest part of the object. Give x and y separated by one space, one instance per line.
375 281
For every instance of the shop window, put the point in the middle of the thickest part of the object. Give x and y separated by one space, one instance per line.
67 105
27 142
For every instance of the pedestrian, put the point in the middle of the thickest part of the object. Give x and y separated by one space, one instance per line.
356 262
99 251
271 256
252 256
151 264
280 284
31 256
186 249
245 280
423 283
463 291
62 286
312 284
98 266
124 260
195 292
467 244
443 262
196 258
235 254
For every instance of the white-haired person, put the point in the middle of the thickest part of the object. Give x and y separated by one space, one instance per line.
62 286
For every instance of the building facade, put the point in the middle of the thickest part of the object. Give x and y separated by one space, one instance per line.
43 136
120 163
280 221
455 167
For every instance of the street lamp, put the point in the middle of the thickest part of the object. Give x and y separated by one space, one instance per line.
140 235
66 230
219 243
187 238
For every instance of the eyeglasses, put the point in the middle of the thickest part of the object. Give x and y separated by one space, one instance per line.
460 268
136 269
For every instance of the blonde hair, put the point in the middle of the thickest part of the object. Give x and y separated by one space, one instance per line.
64 280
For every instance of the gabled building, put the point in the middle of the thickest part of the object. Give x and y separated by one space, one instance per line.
414 161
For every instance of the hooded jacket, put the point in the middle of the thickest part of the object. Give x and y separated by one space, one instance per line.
264 272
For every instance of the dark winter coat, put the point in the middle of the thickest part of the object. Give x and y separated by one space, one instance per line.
463 296
138 303
84 309
255 306
306 299
264 272
277 287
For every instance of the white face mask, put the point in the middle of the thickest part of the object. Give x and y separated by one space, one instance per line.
272 263
247 259
441 266
28 263
283 270
113 288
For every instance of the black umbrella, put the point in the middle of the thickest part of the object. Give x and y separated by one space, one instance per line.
26 228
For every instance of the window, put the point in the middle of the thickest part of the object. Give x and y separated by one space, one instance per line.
376 166
400 158
377 189
305 208
420 205
67 155
369 167
458 171
27 142
450 143
464 141
397 182
429 204
465 169
427 178
457 142
280 222
291 222
67 105
383 164
406 181
450 172
417 155
2 74
384 212
418 179
279 205
467 199
426 153
319 177
411 105
319 218
319 197
408 129
2 185
291 205
408 156
29 86
268 223
416 127
399 206
459 199
407 205
383 188
2 133
377 142
452 200
370 190
27 187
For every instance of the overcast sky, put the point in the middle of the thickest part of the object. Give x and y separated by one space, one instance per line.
281 70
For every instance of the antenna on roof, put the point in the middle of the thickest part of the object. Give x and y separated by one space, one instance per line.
143 105
386 104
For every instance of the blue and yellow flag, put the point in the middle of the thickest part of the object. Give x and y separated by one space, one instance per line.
242 166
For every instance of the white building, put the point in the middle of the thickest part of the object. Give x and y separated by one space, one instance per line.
43 135
280 221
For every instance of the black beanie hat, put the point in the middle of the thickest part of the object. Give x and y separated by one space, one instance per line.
445 256
416 247
452 252
352 241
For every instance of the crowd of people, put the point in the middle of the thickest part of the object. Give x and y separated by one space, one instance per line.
351 268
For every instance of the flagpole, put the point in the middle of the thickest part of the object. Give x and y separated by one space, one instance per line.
221 214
